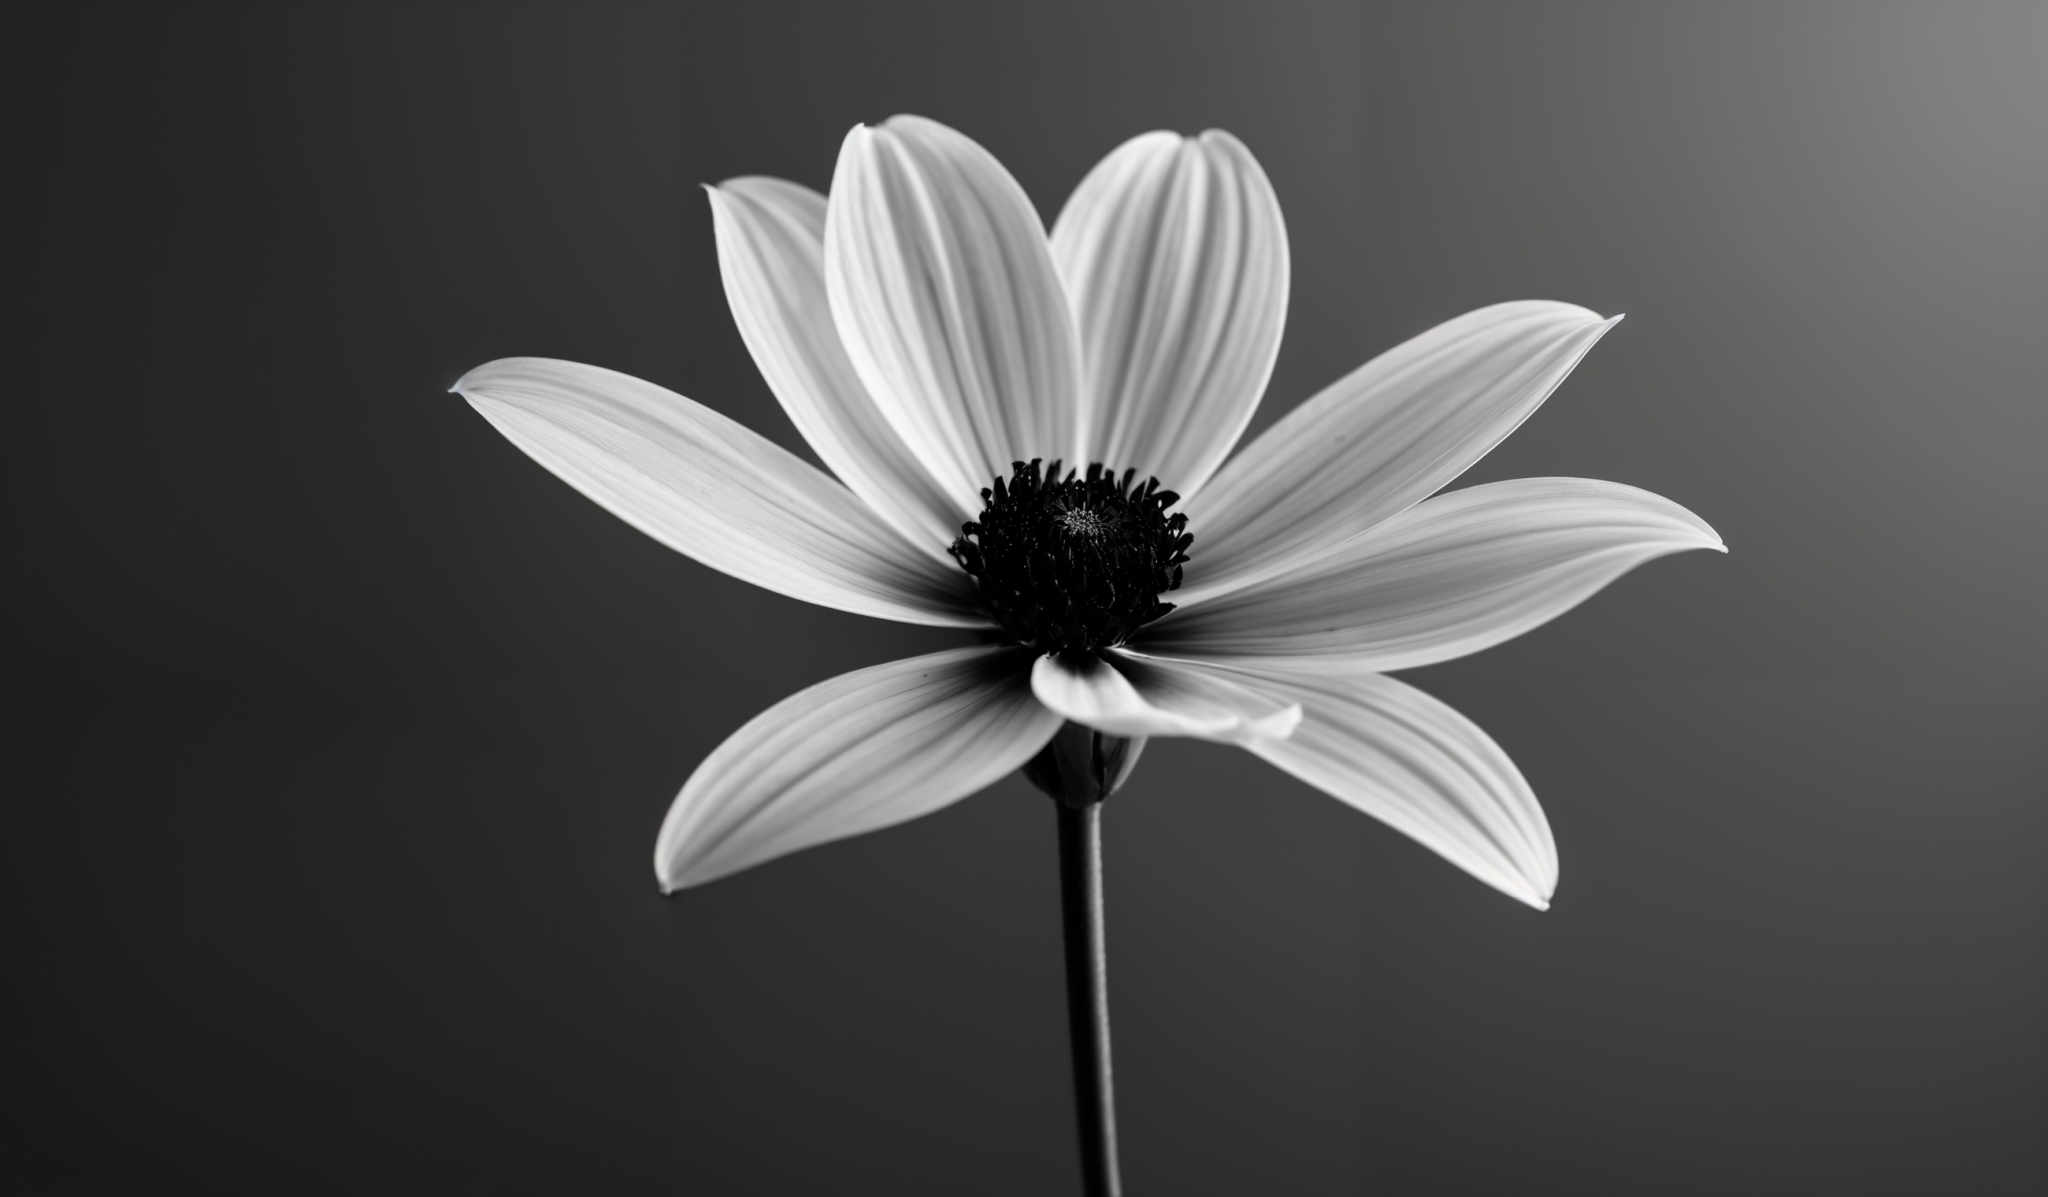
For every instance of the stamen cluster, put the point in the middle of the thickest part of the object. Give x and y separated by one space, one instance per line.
1069 564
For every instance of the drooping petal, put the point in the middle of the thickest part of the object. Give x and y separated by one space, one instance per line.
1127 695
946 298
1452 575
1175 260
771 252
707 487
1387 435
1418 766
860 752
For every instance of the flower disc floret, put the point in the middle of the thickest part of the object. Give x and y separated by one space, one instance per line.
1076 562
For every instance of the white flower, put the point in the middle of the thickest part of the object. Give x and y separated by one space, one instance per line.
924 333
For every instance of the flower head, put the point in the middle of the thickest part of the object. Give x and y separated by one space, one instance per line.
1031 435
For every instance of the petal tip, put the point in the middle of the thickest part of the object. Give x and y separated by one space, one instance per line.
1545 310
1532 889
1581 318
1157 141
901 125
1700 539
676 870
1711 538
1705 536
464 385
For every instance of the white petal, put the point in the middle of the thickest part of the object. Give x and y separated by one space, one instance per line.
771 252
1134 696
1174 256
945 296
860 752
1418 766
1380 439
707 487
1452 575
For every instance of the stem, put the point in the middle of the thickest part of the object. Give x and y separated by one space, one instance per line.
1088 994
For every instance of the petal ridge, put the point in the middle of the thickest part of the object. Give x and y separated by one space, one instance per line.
770 235
945 296
708 487
1381 439
1452 575
1395 753
856 753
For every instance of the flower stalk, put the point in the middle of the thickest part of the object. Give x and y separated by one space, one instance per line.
1079 768
1080 836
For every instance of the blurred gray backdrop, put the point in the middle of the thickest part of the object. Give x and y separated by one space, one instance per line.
347 730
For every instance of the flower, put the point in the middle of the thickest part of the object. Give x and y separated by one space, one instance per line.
937 349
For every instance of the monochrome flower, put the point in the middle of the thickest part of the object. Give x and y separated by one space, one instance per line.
1031 436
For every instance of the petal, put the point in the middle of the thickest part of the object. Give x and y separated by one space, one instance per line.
1418 766
1451 575
707 487
1387 435
1174 256
860 752
1135 696
771 252
945 296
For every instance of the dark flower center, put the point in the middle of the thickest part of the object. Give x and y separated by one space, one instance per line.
1075 563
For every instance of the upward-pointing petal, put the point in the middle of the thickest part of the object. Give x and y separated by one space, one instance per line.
860 752
1174 256
1387 435
771 252
707 487
945 296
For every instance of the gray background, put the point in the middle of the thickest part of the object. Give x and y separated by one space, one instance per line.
349 729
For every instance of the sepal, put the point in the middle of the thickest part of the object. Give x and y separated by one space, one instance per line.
1080 766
